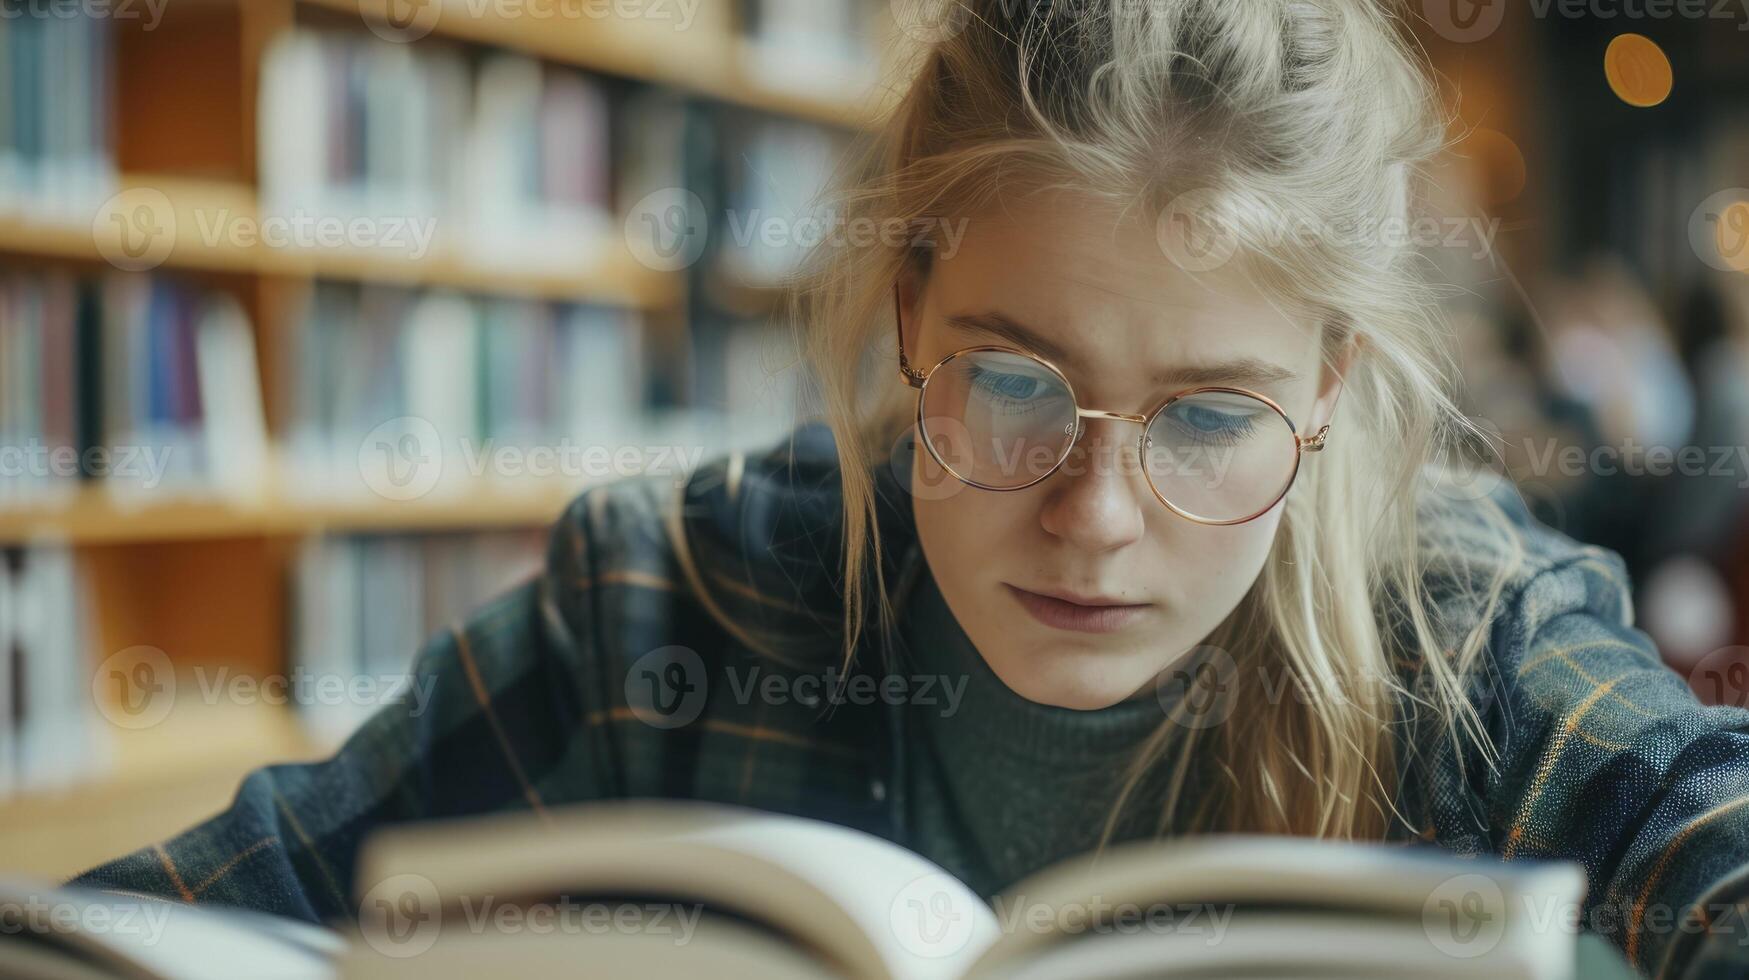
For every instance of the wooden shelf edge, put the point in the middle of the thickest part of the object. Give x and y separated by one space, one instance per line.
705 60
90 516
199 206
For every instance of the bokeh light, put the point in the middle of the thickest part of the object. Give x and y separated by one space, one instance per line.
1639 73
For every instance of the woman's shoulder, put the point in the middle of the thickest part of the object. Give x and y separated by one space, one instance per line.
674 590
1482 541
751 541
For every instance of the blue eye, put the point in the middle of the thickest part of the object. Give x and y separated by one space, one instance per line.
1011 393
1006 385
1211 425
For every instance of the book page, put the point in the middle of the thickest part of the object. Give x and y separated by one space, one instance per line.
1236 870
877 909
147 937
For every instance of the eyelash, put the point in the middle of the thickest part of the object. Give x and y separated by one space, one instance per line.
1230 434
989 381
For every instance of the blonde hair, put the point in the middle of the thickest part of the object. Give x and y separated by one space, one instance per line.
1267 111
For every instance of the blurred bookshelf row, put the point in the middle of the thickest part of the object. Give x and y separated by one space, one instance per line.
315 313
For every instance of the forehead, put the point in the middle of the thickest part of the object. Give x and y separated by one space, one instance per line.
1100 284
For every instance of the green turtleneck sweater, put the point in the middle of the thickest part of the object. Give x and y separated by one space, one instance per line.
1003 786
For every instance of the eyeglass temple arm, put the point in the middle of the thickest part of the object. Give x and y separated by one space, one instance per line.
912 376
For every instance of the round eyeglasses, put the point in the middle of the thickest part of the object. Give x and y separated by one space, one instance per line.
998 418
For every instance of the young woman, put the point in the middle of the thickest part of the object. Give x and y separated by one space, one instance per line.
1134 529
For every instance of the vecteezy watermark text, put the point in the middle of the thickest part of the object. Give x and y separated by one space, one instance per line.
138 687
403 915
143 466
142 921
831 228
668 687
405 236
149 12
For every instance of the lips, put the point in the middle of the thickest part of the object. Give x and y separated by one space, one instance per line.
1082 615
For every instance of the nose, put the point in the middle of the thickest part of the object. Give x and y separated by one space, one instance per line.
1095 499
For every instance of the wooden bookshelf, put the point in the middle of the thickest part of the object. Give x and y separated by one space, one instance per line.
707 58
192 202
158 781
200 206
209 579
618 279
91 516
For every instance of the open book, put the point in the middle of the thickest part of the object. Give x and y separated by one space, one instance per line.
693 889
689 889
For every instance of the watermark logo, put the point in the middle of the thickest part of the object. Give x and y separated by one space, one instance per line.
918 471
401 915
150 13
667 687
1465 916
132 464
401 459
134 688
135 230
929 916
1199 230
138 687
827 226
1191 237
667 229
401 21
1200 690
1718 230
1469 21
406 458
1464 21
143 922
401 236
1722 677
1098 915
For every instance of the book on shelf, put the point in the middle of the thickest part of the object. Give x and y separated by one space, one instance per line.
143 385
813 47
351 126
538 160
45 408
364 604
644 888
777 172
56 103
500 160
383 385
48 717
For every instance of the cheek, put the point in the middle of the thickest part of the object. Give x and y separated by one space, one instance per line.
965 523
1204 564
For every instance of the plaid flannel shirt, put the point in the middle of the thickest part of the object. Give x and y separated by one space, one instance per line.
597 679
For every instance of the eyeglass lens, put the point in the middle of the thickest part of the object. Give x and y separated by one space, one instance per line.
1003 420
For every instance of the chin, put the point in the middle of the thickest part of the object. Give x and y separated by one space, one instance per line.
1082 682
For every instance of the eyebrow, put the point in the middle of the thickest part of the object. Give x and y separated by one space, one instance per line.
1241 371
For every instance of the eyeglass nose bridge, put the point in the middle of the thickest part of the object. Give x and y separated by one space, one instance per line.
1076 428
1094 413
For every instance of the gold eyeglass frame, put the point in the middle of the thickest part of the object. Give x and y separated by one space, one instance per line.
920 381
